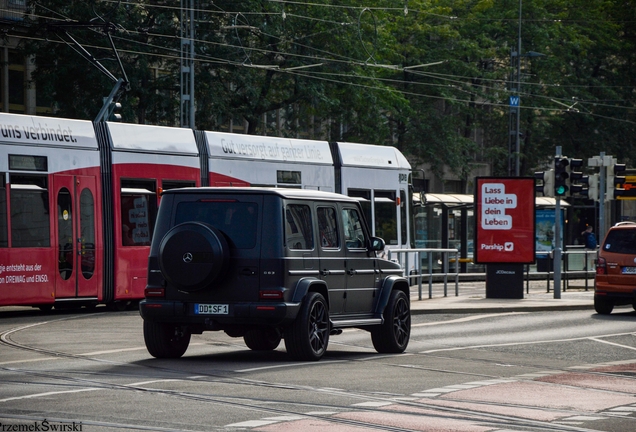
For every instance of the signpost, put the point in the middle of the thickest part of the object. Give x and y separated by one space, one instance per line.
504 232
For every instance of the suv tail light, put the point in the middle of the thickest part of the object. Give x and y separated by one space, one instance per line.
601 266
155 292
270 295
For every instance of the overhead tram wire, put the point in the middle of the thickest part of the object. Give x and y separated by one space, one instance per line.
399 10
432 75
313 76
422 73
354 62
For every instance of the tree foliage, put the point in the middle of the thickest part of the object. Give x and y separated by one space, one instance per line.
431 77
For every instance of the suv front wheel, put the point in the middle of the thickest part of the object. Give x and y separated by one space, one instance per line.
307 338
393 335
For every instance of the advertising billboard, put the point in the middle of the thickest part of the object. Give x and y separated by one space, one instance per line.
504 220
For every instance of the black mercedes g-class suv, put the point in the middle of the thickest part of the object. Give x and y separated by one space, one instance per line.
267 264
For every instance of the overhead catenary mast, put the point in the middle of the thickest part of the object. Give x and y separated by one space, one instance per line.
187 63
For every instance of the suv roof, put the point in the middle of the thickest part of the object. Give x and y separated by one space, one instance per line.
289 193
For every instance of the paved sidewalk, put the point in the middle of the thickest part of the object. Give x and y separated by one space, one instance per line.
472 298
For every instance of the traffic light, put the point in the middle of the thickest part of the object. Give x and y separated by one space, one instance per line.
114 112
576 180
546 188
561 176
592 187
615 186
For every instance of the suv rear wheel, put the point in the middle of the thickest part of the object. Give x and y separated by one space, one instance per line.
262 339
307 338
393 335
166 340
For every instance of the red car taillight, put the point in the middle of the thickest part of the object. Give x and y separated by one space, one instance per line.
601 266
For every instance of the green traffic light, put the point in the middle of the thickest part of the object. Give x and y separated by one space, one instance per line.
560 190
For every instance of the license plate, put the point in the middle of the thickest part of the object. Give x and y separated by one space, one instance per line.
211 309
629 270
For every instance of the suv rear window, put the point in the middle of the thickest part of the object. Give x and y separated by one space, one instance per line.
621 241
237 220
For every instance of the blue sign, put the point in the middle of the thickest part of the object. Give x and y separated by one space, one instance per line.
544 219
514 100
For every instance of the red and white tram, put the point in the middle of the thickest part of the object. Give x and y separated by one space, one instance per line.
78 200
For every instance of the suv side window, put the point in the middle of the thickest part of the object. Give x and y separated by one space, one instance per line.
353 232
328 228
299 233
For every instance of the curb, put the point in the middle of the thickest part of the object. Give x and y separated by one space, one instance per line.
500 309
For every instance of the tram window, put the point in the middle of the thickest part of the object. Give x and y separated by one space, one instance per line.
87 232
386 216
65 254
403 214
176 184
30 222
4 236
288 177
138 211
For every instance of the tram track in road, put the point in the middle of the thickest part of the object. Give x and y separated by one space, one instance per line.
255 405
264 405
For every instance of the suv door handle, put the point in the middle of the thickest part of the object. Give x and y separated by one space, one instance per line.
248 272
324 272
351 271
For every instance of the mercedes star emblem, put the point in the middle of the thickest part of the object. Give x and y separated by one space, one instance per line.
187 257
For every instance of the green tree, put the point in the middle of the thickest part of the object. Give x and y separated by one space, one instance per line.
355 68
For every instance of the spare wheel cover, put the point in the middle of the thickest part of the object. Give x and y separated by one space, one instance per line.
192 255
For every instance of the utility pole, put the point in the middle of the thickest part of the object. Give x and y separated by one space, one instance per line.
187 64
514 145
557 240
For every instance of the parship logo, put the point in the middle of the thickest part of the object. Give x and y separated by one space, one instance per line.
506 247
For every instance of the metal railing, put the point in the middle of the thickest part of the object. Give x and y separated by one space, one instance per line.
412 260
572 267
404 257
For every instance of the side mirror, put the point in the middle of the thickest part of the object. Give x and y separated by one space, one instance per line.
377 244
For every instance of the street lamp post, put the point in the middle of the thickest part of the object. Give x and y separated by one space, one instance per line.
515 104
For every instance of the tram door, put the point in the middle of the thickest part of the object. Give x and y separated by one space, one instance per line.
75 231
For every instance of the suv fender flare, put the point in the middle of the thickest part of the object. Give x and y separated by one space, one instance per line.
306 285
389 284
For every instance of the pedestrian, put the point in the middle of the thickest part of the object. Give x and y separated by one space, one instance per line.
590 244
590 238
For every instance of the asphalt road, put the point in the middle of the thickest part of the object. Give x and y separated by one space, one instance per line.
90 371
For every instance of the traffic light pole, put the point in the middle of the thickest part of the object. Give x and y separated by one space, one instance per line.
557 241
601 198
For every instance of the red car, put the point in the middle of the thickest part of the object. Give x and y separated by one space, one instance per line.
615 281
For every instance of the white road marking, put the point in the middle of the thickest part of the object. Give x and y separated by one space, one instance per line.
287 365
612 343
523 343
252 423
469 318
37 395
372 404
